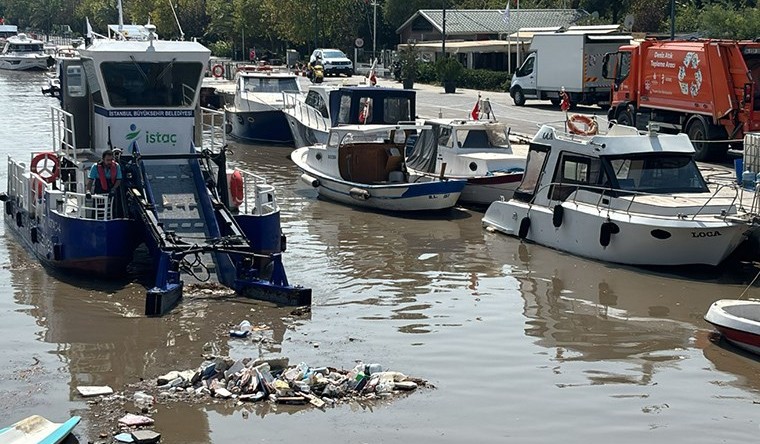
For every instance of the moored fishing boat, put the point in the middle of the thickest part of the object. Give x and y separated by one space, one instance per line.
363 165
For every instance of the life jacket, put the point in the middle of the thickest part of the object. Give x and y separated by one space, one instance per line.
103 185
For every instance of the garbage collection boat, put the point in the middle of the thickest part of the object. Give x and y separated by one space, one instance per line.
256 112
326 106
38 430
738 321
363 165
477 151
623 197
177 196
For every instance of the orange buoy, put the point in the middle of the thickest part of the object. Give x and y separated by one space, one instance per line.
47 166
236 188
217 71
589 125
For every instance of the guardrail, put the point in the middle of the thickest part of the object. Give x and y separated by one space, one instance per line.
305 114
64 137
261 193
97 207
213 131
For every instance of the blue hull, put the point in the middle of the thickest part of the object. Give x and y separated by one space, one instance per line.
263 232
260 126
95 248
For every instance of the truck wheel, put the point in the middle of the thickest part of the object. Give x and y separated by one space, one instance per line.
518 96
697 130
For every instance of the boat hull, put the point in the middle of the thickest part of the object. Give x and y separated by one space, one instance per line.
91 247
304 135
641 240
260 126
485 190
738 321
24 63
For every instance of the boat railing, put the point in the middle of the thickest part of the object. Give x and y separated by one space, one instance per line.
608 193
303 112
64 137
259 195
96 207
213 131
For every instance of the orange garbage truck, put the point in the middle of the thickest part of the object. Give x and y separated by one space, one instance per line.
705 88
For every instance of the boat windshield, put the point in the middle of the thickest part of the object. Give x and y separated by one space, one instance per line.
660 174
492 136
141 84
270 84
26 47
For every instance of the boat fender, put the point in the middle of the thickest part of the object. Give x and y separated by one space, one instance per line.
57 252
33 235
313 181
217 71
606 232
19 221
8 207
237 194
50 166
524 227
359 194
240 119
227 128
557 214
283 243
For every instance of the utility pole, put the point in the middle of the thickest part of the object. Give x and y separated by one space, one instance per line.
672 19
316 28
443 34
374 28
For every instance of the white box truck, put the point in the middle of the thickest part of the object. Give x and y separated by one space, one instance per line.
569 60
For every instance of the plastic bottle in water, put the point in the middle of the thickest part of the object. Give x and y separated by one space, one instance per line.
748 179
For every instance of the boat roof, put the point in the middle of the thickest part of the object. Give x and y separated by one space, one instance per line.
620 140
463 124
377 128
267 74
156 50
131 32
23 38
8 28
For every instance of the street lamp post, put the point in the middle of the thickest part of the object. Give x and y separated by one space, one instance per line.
374 28
443 33
672 19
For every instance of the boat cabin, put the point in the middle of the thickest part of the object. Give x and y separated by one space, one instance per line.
619 163
350 105
7 31
21 44
267 82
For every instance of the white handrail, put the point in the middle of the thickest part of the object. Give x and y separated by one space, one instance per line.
214 135
64 136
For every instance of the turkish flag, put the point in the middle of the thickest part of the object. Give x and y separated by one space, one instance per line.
475 114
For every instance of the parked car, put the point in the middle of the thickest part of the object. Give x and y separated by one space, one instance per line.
334 61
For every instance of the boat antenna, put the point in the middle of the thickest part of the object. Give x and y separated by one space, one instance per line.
121 16
176 19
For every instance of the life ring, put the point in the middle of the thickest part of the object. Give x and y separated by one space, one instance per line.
236 188
590 129
50 166
217 71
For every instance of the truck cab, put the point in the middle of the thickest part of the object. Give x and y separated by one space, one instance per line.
523 84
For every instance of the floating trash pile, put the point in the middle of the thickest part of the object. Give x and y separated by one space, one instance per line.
249 380
272 381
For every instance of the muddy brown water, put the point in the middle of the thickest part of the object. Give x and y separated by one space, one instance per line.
524 344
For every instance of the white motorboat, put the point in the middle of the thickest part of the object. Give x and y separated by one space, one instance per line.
478 151
738 321
363 165
256 113
623 197
22 53
326 106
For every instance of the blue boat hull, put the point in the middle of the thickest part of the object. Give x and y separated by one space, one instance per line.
260 126
95 248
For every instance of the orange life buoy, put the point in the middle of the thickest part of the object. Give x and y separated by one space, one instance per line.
236 188
47 166
590 126
217 71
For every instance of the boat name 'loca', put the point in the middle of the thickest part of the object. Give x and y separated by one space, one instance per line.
705 233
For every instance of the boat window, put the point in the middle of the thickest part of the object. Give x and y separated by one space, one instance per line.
139 84
31 47
445 138
657 174
365 110
473 139
92 81
396 109
537 155
574 170
269 84
344 113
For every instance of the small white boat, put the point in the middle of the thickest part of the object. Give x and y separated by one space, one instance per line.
22 53
478 151
738 321
622 197
256 113
37 430
363 165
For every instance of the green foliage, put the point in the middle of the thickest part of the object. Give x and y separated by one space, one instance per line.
484 79
408 58
221 48
426 72
449 69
